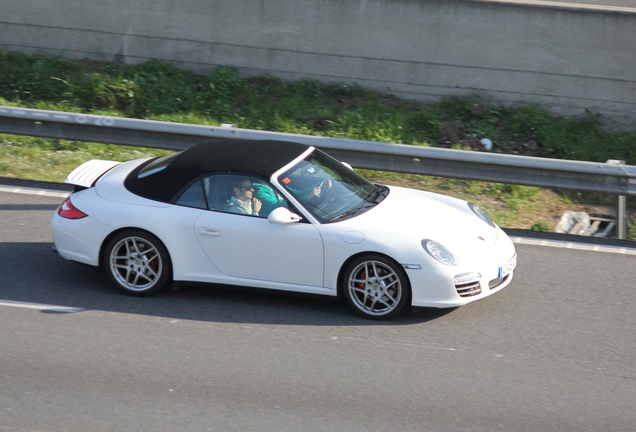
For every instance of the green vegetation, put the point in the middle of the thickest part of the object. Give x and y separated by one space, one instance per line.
158 91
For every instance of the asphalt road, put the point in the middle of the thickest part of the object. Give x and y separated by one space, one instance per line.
554 351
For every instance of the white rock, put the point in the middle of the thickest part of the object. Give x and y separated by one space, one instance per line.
486 143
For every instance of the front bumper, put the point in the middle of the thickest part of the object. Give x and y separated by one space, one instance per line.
440 287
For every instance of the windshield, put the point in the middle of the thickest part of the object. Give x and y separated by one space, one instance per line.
329 190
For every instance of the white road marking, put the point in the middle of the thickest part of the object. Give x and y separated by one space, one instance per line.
575 246
41 307
34 191
567 5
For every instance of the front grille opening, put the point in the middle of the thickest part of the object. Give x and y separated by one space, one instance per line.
468 289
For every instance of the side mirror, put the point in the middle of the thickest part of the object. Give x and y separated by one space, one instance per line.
282 215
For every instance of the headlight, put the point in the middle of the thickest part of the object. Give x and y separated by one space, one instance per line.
439 252
482 215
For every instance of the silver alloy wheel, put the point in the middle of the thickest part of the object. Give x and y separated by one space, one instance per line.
136 264
375 288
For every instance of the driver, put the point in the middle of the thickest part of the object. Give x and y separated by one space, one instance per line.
314 193
271 199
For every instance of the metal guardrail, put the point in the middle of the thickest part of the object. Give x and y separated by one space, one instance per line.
612 177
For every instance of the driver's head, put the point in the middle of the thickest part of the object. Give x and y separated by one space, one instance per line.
309 170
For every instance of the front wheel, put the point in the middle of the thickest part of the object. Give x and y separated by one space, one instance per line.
376 287
138 263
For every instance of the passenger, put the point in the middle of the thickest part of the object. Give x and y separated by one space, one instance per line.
242 200
269 198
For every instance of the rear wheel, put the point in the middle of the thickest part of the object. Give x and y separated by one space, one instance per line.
376 287
138 263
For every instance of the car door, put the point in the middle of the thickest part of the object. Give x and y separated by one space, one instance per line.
250 247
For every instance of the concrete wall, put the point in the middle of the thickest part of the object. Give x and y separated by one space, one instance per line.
566 59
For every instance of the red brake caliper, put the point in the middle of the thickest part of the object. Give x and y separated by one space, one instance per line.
363 275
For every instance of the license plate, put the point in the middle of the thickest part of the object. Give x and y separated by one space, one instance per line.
508 267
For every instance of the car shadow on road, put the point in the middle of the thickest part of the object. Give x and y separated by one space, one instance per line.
33 273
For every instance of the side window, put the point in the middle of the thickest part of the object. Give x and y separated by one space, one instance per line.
218 191
241 194
233 193
193 197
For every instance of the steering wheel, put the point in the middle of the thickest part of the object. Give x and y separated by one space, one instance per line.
341 202
324 192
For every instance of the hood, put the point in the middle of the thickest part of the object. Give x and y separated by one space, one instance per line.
426 215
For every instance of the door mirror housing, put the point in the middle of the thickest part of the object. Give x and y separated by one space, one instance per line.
282 215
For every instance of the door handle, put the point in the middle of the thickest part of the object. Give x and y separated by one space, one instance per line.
209 232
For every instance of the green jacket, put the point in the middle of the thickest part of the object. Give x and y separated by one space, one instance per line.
268 197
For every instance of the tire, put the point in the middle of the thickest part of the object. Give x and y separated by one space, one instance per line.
375 287
138 263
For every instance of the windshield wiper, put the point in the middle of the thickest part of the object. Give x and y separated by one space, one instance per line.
348 212
374 198
364 206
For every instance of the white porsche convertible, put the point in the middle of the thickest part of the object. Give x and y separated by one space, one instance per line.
282 216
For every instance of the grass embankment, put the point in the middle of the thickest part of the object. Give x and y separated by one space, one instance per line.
158 91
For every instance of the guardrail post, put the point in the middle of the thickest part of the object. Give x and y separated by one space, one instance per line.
621 208
622 212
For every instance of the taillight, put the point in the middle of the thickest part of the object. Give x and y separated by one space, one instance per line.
69 211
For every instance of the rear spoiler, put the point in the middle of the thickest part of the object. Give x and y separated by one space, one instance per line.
89 172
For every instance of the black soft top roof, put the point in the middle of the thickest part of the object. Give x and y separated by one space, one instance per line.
257 157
